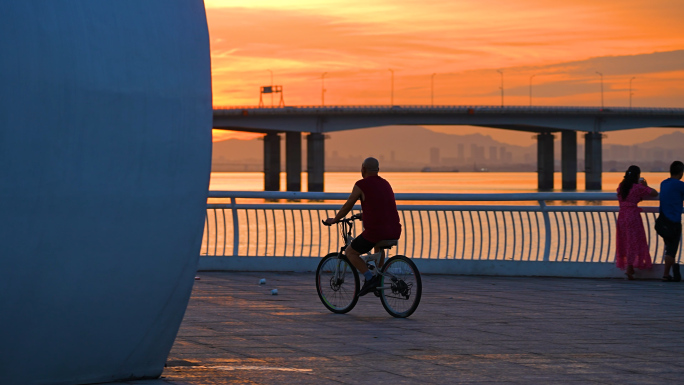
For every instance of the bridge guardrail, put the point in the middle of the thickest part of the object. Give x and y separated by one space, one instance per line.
238 110
547 227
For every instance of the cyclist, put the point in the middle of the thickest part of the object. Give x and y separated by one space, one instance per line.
380 219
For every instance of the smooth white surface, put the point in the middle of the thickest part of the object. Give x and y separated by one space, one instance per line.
105 150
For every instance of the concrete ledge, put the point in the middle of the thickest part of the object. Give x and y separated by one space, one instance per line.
440 266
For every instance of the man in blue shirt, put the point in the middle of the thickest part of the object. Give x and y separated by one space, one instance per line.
671 204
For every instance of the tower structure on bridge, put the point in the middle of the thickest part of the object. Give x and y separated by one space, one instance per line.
271 90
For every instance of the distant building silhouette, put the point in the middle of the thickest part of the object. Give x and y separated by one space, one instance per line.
493 154
434 155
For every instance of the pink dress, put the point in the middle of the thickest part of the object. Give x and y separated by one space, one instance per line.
632 248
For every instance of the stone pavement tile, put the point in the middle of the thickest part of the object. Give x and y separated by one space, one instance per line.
361 375
644 367
570 368
160 381
626 378
253 372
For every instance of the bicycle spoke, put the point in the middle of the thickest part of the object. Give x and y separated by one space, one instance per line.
337 284
401 287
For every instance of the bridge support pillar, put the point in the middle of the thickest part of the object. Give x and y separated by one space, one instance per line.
293 161
545 161
593 160
569 160
315 161
272 162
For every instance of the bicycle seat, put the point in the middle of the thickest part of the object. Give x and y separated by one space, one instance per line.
388 244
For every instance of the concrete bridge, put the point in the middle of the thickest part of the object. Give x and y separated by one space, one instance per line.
544 121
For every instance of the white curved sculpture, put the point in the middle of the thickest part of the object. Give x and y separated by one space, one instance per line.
105 151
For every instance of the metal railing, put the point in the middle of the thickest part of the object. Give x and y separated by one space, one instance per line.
574 227
466 109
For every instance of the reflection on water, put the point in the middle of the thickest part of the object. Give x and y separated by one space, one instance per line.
433 182
428 182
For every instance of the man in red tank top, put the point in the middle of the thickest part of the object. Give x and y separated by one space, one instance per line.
380 219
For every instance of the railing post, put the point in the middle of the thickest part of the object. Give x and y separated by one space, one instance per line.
206 226
547 230
236 227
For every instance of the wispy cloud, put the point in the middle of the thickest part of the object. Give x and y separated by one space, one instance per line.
355 42
626 64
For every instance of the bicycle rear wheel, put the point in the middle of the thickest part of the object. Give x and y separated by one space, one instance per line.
401 286
337 283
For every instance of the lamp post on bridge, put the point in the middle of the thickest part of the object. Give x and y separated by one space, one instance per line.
271 86
432 90
630 91
323 88
392 88
531 88
600 74
502 88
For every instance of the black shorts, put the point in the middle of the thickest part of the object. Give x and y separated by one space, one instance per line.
672 243
362 245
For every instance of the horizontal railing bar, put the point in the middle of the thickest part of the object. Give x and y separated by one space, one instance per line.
468 208
587 196
592 209
483 208
279 206
305 206
490 208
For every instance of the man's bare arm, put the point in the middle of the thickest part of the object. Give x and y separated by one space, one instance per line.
348 205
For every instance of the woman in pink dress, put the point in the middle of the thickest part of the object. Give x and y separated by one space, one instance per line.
632 248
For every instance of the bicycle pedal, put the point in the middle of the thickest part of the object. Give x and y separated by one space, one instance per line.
377 293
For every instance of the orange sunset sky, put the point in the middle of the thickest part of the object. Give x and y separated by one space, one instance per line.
559 46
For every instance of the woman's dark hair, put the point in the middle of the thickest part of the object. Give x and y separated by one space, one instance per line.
631 177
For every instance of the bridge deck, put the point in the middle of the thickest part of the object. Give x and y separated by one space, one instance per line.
525 118
473 330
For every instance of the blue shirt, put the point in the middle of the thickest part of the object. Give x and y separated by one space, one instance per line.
672 199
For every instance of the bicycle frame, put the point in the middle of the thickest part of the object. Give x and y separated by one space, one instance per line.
347 227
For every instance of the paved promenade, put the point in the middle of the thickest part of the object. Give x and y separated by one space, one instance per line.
467 330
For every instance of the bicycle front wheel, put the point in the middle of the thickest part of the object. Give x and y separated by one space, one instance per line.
337 283
401 286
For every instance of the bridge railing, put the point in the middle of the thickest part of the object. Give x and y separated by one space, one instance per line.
547 227
308 109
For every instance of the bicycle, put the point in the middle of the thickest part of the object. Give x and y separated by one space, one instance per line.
337 280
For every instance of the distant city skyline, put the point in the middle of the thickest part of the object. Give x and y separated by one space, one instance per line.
450 53
510 137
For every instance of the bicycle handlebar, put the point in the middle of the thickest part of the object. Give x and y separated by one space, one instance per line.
351 219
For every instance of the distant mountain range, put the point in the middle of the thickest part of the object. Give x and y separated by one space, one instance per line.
673 141
395 146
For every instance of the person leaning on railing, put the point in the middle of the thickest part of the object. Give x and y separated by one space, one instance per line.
380 219
631 246
669 222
